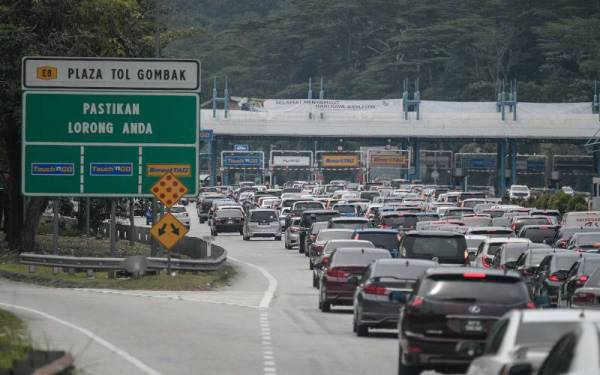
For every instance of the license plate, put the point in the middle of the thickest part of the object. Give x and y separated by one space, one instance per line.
474 326
229 221
264 224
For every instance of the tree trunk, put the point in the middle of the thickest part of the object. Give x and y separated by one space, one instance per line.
14 219
34 209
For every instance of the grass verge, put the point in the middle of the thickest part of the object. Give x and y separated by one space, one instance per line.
13 346
203 281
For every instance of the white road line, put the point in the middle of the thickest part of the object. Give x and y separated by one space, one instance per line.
269 364
270 292
120 352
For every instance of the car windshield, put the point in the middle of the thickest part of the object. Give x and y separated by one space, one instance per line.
594 280
565 262
381 240
357 258
493 248
315 228
326 235
445 248
496 233
229 212
590 265
588 238
349 224
401 271
263 216
511 291
177 209
345 209
537 256
539 235
404 221
533 220
303 206
542 333
513 252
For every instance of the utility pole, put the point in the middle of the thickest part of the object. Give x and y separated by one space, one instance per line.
154 206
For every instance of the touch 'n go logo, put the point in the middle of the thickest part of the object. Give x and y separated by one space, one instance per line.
46 72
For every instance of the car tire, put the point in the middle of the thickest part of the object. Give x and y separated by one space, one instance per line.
325 306
287 247
405 369
310 265
277 238
362 330
215 233
202 220
315 282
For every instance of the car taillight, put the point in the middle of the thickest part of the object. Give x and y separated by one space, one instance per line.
553 277
318 249
527 271
474 275
355 237
375 289
336 273
530 305
582 279
514 227
486 261
384 226
416 302
584 297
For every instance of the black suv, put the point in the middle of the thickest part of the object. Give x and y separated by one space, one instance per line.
446 322
441 246
204 205
308 218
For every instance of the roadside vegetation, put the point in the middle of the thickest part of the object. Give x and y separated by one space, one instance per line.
203 281
13 345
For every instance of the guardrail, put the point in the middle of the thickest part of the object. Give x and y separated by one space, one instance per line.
204 258
115 264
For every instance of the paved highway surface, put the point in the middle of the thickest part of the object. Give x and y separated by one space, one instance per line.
267 322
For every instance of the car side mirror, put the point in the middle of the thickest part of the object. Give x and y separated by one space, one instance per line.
521 369
472 257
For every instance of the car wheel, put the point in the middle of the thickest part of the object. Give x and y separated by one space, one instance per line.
202 221
315 282
362 330
277 238
310 265
354 324
405 369
287 247
325 306
216 233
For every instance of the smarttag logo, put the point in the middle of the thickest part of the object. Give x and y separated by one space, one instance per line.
47 72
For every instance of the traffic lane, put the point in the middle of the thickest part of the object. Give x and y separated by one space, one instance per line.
170 336
307 340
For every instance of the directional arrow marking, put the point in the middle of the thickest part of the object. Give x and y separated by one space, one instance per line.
174 229
162 230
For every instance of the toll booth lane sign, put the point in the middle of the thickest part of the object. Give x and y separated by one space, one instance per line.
107 144
168 231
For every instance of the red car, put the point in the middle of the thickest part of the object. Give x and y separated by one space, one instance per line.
340 279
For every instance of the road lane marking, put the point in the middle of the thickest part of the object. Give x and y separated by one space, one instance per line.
269 364
120 352
270 292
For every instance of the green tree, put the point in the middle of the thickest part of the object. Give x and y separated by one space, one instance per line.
55 28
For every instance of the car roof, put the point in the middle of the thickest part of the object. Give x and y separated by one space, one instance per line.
361 250
407 262
376 230
357 219
429 233
262 210
327 230
310 212
492 228
507 239
557 315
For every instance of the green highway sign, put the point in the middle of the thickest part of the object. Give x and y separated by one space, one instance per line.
107 144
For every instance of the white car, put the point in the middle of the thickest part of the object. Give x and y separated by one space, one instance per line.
568 190
488 249
519 192
526 336
181 214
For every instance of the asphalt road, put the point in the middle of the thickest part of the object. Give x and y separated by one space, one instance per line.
267 322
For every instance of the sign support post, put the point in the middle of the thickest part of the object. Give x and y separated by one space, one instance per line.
87 216
113 233
55 224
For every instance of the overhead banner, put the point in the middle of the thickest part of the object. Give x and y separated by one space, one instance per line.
340 161
326 105
389 159
290 161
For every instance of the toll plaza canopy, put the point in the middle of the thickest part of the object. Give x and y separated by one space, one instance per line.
386 118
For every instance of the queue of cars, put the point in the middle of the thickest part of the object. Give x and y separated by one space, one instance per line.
470 283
